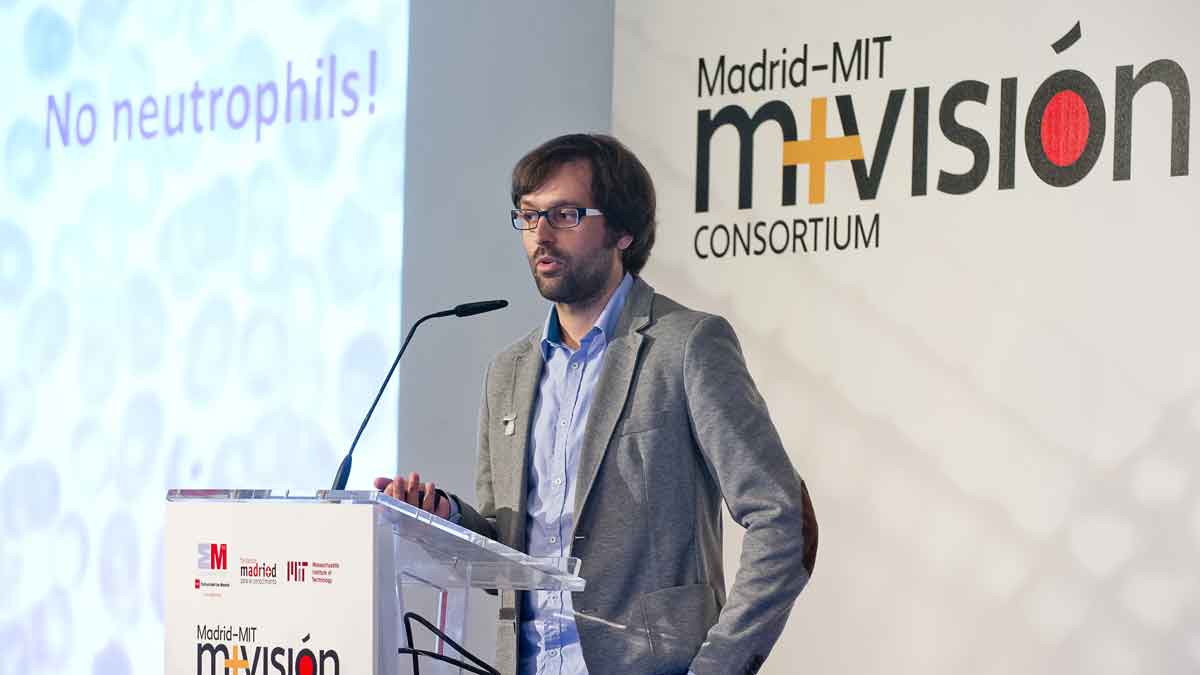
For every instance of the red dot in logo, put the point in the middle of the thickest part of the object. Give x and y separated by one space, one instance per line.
306 665
1065 127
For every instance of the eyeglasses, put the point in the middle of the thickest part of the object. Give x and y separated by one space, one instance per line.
559 217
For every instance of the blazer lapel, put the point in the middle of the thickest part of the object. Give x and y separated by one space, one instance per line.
612 389
527 370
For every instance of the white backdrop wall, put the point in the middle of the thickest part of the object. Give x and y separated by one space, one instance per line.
994 392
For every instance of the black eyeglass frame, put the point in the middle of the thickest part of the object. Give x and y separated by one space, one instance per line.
581 212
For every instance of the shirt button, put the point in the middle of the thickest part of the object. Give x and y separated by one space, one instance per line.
558 481
562 423
553 540
575 366
553 652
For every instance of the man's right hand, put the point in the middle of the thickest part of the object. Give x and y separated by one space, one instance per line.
421 495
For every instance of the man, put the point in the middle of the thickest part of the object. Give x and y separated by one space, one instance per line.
613 433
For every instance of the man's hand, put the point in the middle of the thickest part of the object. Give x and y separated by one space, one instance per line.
423 496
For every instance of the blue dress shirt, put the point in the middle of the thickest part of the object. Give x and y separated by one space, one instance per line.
549 639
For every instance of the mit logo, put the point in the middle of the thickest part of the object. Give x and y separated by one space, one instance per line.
211 557
296 570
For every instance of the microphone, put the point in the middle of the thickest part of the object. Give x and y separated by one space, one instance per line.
466 309
473 308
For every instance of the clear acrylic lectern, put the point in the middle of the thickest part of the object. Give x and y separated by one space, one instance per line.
262 581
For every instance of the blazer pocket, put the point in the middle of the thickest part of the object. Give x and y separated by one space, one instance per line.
634 423
678 619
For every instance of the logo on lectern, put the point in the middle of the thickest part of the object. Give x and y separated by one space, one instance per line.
296 570
233 651
212 557
255 571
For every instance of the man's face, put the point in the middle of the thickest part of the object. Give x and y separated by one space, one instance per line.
576 265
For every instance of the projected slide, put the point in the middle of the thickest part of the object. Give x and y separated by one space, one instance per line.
200 245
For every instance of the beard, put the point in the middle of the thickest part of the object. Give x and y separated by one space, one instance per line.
578 280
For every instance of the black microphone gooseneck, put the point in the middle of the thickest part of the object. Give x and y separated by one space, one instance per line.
466 309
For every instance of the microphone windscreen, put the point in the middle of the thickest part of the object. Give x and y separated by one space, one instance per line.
473 308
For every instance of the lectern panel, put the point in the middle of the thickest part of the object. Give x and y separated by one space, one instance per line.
269 587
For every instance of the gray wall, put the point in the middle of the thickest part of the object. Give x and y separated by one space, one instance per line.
487 82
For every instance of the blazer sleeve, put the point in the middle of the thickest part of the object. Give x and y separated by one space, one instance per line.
482 518
763 493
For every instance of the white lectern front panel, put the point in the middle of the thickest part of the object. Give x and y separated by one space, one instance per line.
271 588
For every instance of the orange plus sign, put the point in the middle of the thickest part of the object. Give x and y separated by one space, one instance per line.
818 150
235 664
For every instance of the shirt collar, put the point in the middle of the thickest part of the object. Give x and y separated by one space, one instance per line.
605 324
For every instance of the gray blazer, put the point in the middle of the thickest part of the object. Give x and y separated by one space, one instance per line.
676 426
